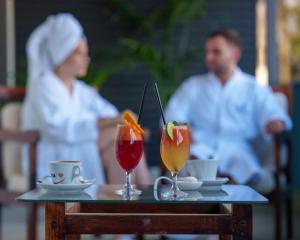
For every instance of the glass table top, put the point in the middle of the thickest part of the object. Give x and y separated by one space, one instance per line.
239 194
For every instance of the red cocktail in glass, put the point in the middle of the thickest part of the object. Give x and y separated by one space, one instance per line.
129 150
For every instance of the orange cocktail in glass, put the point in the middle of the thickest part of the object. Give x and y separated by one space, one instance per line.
174 151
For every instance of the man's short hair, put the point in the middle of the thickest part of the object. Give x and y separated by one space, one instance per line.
230 35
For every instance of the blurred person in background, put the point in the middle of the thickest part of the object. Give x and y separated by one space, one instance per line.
229 112
72 118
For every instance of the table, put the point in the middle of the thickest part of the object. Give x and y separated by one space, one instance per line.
99 211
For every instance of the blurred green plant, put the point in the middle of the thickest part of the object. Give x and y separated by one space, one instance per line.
21 73
159 40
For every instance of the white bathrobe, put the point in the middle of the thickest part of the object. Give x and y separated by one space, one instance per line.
67 122
226 120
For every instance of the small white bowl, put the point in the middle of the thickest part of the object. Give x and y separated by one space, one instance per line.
188 184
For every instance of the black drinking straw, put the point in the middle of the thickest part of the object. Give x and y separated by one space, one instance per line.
142 102
159 101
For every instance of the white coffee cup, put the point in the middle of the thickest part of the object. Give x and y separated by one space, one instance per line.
64 172
203 169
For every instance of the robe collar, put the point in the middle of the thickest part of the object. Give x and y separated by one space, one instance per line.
233 79
60 86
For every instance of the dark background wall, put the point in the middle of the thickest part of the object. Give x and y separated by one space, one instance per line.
2 43
296 134
124 89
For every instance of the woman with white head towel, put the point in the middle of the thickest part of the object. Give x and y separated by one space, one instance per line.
66 111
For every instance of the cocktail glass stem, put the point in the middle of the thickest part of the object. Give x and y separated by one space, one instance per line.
128 190
174 188
127 186
174 193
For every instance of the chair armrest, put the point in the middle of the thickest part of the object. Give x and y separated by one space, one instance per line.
284 136
280 139
30 137
8 94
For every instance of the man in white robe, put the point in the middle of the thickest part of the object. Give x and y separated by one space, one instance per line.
227 111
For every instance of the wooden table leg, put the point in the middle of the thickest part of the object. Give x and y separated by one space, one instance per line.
55 221
32 223
242 217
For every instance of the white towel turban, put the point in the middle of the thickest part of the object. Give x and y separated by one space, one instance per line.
51 43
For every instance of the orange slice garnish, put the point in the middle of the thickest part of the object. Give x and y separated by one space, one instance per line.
129 120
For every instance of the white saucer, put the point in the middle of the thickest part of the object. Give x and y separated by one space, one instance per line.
65 187
213 185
